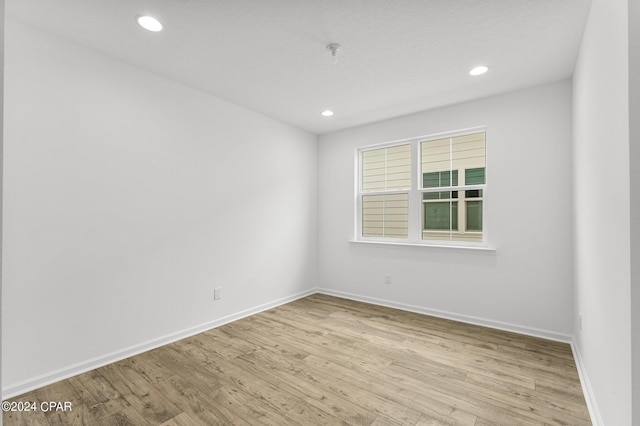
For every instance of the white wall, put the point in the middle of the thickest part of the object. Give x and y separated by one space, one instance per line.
1 161
602 208
634 147
128 198
527 283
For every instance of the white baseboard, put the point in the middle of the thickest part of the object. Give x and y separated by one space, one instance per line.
15 389
587 390
529 331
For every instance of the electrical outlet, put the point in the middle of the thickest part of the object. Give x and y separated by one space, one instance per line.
580 321
217 293
387 279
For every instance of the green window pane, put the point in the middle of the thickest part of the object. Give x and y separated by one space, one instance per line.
441 215
453 175
474 193
431 180
474 215
440 179
474 176
431 196
446 195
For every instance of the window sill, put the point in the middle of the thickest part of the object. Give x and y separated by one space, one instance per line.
437 246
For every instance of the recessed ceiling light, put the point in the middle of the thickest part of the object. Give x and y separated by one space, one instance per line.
149 23
327 113
479 70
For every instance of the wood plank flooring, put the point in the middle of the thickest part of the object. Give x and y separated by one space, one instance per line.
323 360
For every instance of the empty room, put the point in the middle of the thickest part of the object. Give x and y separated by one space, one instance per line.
296 212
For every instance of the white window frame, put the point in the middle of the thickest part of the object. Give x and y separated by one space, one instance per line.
415 194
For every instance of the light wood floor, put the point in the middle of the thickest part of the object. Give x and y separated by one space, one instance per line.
323 360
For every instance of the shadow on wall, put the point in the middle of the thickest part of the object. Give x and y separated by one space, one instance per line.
426 255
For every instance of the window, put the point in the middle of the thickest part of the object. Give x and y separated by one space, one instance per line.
386 177
426 190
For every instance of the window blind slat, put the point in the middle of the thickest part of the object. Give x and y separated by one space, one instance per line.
385 215
386 168
456 153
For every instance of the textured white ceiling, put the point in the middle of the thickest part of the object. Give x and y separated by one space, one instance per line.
397 56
